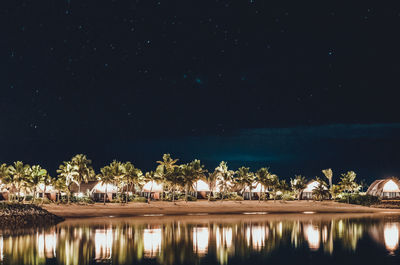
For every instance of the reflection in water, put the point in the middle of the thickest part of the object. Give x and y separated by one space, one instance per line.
200 240
391 236
103 239
255 236
187 241
1 248
152 242
312 236
47 244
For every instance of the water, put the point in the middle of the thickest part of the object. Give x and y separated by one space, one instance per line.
225 239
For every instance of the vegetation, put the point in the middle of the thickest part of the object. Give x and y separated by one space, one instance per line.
27 183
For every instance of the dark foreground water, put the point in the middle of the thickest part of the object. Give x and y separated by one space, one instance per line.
226 239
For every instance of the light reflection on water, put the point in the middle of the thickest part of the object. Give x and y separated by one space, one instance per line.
217 240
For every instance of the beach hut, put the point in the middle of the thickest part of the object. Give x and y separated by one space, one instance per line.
154 188
99 190
202 188
3 192
307 193
257 190
385 188
49 192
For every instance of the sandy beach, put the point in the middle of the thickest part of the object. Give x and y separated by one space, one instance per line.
204 207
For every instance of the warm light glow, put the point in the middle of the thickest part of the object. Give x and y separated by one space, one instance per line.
256 187
103 239
224 237
312 236
391 236
310 187
111 188
153 187
152 242
200 240
218 184
256 236
391 186
201 185
49 188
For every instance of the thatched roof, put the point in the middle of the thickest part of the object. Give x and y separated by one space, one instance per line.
84 186
384 185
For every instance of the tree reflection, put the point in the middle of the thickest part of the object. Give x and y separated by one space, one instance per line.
176 242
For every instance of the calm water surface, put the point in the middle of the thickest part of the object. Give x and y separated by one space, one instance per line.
225 239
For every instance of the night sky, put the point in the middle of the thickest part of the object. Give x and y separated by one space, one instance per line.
295 87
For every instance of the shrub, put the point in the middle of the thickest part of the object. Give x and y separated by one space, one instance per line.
139 199
365 200
192 198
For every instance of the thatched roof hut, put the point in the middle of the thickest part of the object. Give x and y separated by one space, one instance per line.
307 193
388 188
85 187
153 186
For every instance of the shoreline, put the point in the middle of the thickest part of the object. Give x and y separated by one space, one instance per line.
159 208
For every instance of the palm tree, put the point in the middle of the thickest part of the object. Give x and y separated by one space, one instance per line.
173 177
20 174
225 177
273 184
211 179
246 178
168 162
298 184
68 172
133 176
153 177
37 176
190 174
262 176
106 177
4 175
321 190
118 171
84 169
348 183
328 174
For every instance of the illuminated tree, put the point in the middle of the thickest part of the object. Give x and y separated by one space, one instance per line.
84 169
68 173
37 177
298 184
328 174
321 190
263 177
246 178
225 177
19 174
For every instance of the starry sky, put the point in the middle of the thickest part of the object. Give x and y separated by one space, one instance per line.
292 86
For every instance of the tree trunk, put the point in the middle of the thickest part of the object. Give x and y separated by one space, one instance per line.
149 195
126 196
173 194
186 192
249 192
105 194
34 195
209 195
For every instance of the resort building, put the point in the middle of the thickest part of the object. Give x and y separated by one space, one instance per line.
48 192
202 189
257 190
155 189
307 193
385 188
96 190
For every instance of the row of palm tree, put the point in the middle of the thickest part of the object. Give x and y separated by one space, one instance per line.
175 177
